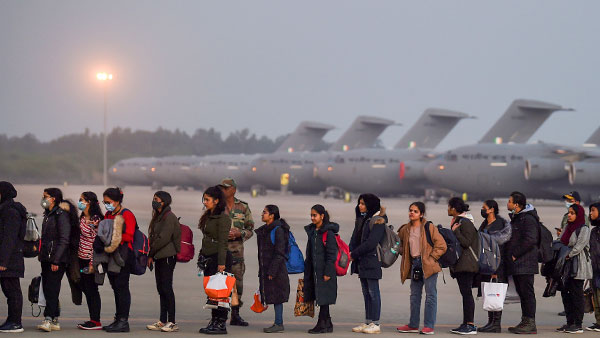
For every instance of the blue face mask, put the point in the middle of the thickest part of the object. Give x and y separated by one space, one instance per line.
81 205
109 207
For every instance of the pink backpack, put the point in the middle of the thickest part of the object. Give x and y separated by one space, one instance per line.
342 262
186 253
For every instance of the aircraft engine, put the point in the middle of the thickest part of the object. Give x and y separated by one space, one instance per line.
544 169
584 173
412 170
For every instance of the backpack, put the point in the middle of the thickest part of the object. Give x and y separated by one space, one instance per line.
342 261
33 294
489 254
141 249
186 253
32 240
545 253
453 251
388 249
294 258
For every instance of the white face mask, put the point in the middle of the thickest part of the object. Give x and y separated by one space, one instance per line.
568 204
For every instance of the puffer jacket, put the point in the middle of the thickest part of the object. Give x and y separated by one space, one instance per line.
164 235
272 262
429 254
523 244
319 262
56 232
367 233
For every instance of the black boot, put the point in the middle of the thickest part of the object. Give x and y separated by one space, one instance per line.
210 325
329 325
320 327
121 326
236 320
109 326
497 326
527 326
219 327
487 326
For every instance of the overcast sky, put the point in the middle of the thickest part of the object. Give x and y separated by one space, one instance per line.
267 65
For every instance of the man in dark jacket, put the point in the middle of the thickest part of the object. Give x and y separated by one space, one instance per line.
522 250
12 266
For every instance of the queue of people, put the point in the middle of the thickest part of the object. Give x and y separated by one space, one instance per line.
88 245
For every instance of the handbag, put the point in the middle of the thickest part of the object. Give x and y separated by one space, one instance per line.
494 295
302 307
258 306
219 285
588 298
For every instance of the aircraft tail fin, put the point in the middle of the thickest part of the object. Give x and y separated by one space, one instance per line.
363 133
594 139
520 121
430 129
305 137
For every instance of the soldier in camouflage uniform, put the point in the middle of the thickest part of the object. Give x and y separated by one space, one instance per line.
242 228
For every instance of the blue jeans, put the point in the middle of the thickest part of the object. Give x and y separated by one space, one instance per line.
370 290
278 314
416 291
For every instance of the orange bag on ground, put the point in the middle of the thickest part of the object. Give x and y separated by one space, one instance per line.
258 306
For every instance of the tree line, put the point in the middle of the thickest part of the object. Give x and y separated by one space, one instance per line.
77 158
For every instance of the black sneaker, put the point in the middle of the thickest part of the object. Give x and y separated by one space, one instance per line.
11 328
562 313
573 329
458 328
90 325
562 328
467 329
594 327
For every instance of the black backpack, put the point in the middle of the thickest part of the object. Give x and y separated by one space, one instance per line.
545 253
453 251
33 294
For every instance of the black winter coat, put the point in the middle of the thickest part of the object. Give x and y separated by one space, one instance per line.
319 262
363 247
56 232
12 231
271 262
497 225
595 251
523 244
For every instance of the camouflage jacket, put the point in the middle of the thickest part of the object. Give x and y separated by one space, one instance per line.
241 218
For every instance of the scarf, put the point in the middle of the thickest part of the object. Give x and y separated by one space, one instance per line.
572 227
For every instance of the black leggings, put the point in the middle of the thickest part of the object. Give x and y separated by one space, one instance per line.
11 287
120 285
465 285
324 312
164 284
90 290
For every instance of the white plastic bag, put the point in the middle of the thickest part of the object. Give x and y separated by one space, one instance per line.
493 296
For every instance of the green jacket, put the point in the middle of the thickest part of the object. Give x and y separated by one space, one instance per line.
216 233
164 235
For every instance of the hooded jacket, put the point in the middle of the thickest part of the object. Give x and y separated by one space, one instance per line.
523 244
368 232
13 216
429 254
320 262
164 235
56 232
271 262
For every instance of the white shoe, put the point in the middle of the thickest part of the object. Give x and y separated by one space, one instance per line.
45 325
360 328
55 325
170 327
156 326
372 328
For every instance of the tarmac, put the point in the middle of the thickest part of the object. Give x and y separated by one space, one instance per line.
349 310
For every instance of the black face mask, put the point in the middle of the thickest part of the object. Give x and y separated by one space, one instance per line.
156 205
484 213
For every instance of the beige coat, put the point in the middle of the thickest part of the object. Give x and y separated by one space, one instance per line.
429 254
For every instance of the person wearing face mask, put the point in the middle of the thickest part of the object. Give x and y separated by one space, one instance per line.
492 224
576 236
571 198
522 263
164 235
91 215
112 200
369 229
54 253
13 216
594 219
214 256
320 279
420 264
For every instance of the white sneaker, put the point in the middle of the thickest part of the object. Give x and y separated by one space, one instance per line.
55 325
45 325
156 326
360 328
372 328
170 327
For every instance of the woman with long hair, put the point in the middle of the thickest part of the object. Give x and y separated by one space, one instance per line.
91 215
215 225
